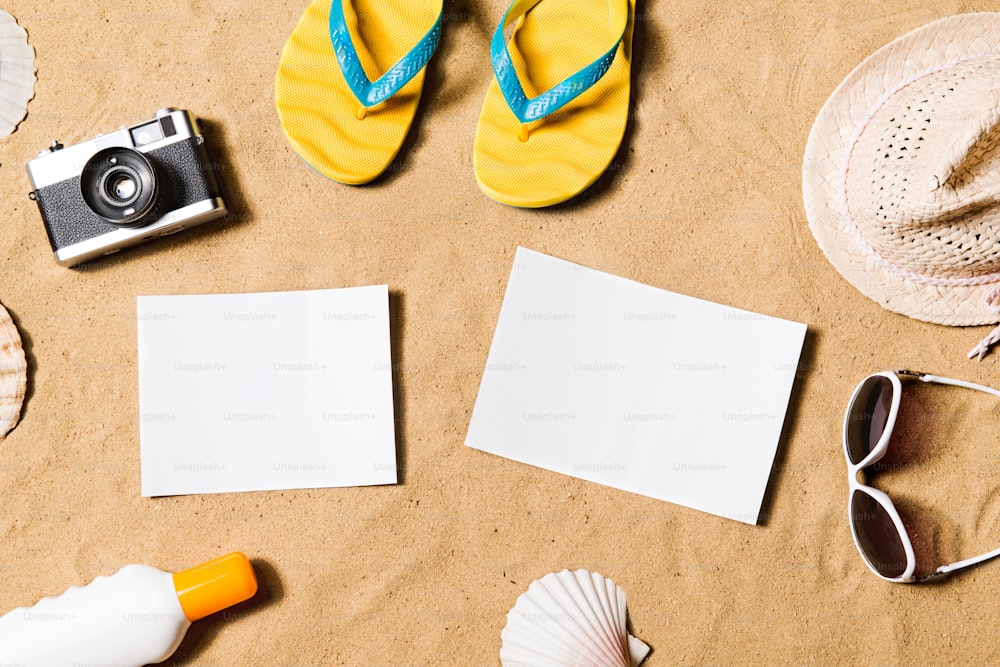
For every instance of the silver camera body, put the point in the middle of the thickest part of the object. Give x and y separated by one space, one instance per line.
136 184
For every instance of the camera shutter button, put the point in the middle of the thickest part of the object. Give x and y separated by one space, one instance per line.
53 147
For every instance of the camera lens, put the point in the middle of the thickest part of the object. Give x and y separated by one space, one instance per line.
120 185
123 187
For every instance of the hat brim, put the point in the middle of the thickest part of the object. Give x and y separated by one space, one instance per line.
837 124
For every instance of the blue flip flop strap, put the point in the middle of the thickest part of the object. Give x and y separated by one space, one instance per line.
559 95
369 92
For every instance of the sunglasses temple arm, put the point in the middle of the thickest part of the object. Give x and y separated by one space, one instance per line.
925 377
945 570
960 565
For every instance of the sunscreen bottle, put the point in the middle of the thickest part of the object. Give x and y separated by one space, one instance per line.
137 616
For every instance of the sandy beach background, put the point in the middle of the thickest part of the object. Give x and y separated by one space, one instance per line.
704 199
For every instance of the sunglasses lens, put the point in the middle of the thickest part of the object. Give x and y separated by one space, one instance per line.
879 540
868 417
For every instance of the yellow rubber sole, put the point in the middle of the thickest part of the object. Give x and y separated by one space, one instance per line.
322 119
565 152
568 150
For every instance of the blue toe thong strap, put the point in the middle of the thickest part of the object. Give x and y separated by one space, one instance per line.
369 92
555 98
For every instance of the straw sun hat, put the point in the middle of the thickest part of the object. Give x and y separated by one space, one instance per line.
901 177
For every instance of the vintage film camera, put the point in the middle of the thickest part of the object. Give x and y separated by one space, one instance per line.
132 185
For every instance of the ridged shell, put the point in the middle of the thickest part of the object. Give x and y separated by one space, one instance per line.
569 619
17 73
13 373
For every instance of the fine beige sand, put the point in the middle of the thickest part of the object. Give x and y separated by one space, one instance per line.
704 199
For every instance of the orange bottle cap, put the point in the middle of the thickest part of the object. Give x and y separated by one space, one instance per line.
210 587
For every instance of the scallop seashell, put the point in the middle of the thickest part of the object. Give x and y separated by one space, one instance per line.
567 619
13 373
17 73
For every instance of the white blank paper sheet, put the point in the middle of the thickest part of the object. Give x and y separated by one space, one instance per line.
279 390
634 387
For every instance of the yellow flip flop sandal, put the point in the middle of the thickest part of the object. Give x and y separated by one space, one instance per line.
551 123
349 81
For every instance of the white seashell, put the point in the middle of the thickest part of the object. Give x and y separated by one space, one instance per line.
570 619
17 73
13 373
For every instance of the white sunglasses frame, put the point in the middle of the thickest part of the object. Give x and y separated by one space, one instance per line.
877 452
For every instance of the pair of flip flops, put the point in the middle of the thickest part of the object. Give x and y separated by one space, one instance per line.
352 72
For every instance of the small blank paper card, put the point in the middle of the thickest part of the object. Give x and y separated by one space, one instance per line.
279 390
634 387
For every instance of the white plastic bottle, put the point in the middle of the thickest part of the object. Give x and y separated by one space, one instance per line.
137 616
